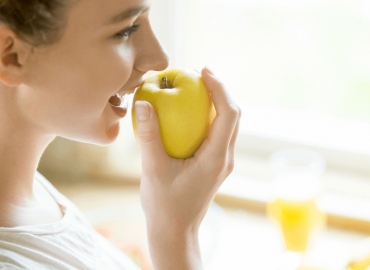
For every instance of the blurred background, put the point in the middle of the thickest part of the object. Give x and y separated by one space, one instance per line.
300 71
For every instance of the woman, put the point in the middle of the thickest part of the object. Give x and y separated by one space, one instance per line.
61 64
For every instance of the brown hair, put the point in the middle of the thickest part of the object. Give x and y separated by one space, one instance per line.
38 22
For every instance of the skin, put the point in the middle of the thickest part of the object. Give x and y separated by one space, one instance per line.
63 90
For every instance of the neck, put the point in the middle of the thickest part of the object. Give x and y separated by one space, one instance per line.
21 147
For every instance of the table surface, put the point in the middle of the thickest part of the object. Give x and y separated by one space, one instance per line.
230 238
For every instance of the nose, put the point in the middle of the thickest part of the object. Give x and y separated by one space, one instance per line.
150 53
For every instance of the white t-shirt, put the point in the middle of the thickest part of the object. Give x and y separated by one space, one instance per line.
71 243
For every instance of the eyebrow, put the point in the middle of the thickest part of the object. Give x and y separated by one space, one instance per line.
128 13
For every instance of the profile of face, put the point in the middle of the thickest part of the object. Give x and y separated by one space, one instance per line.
106 48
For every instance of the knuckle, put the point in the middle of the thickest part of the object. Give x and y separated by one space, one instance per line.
146 136
223 164
234 110
222 85
230 167
240 112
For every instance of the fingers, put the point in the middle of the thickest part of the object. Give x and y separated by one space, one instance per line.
224 128
148 134
233 142
236 132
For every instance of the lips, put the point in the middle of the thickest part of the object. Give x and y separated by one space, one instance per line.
116 100
119 105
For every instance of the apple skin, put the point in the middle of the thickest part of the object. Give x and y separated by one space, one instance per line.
185 110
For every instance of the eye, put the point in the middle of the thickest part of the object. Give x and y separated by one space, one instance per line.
126 33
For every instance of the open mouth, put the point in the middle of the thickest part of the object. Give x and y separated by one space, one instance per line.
116 100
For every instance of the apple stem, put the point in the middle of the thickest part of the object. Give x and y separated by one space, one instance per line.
165 82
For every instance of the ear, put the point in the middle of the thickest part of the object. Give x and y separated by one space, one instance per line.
13 55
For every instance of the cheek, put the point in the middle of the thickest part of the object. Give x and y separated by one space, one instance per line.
111 71
68 94
86 77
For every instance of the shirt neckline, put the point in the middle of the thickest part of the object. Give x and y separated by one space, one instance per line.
47 228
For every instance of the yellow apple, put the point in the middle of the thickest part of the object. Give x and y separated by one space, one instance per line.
184 108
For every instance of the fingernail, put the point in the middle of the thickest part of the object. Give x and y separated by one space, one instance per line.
142 111
208 70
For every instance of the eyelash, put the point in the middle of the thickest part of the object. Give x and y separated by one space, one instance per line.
126 33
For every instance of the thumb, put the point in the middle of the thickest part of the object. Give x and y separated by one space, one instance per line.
147 132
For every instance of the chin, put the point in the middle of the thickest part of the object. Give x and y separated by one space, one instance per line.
101 137
109 136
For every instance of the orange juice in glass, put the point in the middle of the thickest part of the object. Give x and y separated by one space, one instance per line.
360 259
363 264
294 203
297 220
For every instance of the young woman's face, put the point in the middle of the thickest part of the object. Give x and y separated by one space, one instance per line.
68 84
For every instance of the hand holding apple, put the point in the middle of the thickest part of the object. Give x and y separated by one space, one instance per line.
175 193
183 106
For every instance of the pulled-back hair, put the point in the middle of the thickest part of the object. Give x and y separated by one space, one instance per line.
38 22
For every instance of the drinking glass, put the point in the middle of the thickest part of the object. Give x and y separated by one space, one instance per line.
294 203
360 259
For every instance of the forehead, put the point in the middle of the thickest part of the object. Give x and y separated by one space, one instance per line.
99 12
